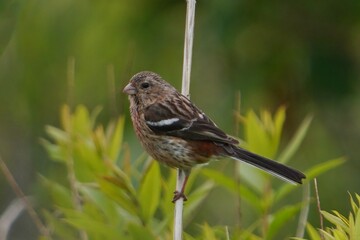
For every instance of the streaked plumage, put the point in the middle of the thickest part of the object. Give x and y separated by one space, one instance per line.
177 133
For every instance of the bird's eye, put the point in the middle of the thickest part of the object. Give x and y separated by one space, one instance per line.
145 85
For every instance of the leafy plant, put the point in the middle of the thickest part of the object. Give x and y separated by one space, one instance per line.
343 228
103 194
262 135
107 196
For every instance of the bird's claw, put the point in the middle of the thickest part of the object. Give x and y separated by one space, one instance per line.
178 195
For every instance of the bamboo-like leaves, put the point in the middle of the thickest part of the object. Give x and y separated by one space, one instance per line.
105 201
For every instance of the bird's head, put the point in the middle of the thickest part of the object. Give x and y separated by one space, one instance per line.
147 87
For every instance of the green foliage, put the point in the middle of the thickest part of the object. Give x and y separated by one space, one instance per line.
262 135
343 228
105 196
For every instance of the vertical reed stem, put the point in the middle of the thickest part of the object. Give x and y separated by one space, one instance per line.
188 43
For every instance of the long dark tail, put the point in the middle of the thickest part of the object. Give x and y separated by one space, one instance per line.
277 169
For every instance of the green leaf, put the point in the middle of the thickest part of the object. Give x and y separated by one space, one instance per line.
149 193
119 195
82 221
60 195
296 140
115 142
314 235
335 220
354 205
81 121
61 230
256 137
100 201
94 114
279 120
357 225
323 167
55 151
208 232
87 163
57 134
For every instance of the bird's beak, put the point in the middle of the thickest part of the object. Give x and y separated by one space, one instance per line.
130 89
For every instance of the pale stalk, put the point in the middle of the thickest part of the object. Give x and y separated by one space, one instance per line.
188 43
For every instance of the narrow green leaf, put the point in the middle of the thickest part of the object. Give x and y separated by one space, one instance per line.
57 134
279 120
62 230
149 193
100 201
65 118
329 234
256 137
116 193
208 233
94 227
94 114
55 151
296 140
323 167
115 142
357 224
354 205
344 219
335 220
60 195
314 235
81 121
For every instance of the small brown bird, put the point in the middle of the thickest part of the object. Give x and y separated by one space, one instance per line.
175 132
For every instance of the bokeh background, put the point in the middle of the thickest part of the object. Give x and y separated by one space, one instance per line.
305 55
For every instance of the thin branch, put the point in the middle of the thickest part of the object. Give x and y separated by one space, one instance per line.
20 194
319 209
188 43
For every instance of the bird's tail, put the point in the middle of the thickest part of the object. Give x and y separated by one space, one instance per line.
277 169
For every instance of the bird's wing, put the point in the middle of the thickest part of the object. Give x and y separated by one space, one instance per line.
184 121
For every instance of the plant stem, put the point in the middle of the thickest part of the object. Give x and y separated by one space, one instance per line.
188 43
319 209
20 194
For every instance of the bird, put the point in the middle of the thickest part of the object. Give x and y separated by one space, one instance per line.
178 134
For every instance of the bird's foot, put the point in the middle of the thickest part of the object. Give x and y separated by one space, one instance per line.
178 195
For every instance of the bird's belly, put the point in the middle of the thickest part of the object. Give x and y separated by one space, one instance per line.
171 151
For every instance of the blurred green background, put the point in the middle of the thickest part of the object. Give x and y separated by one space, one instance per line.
305 55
